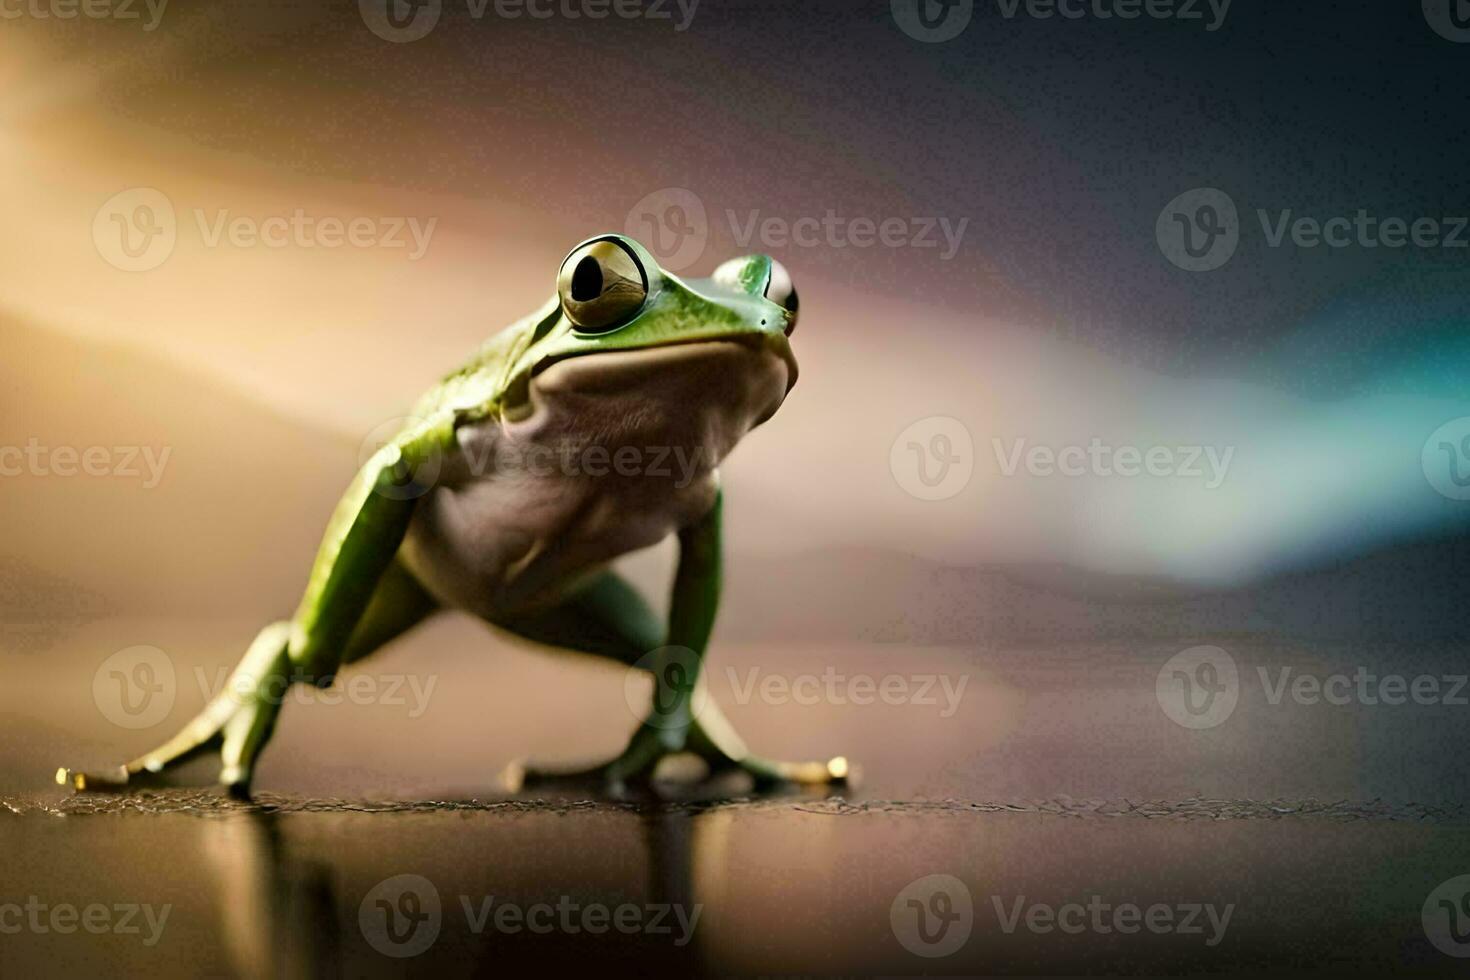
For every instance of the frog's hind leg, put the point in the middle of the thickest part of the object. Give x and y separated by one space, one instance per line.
608 618
240 719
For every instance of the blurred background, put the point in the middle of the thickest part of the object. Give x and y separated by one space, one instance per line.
1120 336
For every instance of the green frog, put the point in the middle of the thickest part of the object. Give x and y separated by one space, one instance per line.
514 484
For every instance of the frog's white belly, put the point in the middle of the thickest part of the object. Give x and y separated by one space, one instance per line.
618 452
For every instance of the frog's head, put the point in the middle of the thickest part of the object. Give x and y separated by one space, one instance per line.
614 299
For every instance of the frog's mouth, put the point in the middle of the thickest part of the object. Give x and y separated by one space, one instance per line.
754 369
618 368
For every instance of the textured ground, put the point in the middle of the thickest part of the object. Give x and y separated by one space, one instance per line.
1056 782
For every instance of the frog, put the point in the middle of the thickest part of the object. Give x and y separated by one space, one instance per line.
470 505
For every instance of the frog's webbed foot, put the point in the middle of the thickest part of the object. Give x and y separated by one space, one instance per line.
715 741
709 737
237 722
634 766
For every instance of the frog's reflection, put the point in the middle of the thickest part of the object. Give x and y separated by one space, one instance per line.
279 917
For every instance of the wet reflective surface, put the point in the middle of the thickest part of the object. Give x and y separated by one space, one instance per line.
1055 821
295 887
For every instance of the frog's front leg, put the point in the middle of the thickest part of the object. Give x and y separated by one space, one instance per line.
350 605
610 619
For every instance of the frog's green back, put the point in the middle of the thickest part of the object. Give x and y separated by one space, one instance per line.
478 386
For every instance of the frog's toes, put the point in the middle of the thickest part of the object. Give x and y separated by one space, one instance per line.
236 723
604 778
103 781
837 771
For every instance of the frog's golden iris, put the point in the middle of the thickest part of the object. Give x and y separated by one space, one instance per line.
602 286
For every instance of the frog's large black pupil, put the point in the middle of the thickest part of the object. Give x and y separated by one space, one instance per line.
587 280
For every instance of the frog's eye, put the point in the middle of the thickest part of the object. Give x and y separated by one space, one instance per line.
781 292
602 286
